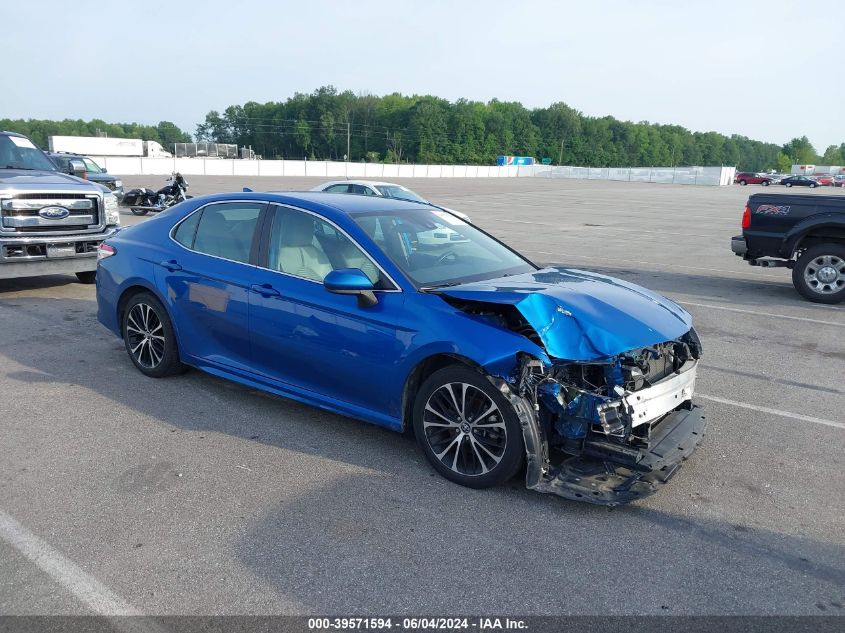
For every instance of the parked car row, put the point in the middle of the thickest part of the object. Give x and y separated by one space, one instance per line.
794 180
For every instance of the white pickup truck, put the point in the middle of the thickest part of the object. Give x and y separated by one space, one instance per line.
50 222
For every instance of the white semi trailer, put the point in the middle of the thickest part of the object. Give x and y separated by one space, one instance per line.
107 146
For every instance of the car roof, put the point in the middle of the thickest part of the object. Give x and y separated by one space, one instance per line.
60 154
325 203
7 133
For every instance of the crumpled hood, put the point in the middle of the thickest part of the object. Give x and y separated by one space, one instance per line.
581 315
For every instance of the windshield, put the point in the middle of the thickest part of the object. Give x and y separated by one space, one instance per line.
400 193
17 152
434 248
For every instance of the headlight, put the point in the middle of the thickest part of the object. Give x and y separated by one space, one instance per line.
118 183
112 209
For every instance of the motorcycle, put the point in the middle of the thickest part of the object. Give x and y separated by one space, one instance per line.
144 201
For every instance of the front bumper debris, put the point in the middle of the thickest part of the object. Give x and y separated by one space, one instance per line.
608 474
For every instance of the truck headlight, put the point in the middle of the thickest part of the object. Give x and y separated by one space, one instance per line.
112 209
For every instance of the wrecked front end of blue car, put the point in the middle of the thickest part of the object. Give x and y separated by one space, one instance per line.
607 413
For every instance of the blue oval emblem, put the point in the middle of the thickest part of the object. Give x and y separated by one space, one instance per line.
54 213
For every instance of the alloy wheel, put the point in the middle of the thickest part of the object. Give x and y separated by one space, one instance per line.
465 429
145 335
825 274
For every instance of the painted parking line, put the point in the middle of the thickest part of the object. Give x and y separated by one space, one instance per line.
777 412
757 313
69 575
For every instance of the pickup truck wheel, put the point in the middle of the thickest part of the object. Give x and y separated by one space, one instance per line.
743 183
87 277
149 337
468 430
819 274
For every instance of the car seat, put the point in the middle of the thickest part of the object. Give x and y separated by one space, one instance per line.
295 252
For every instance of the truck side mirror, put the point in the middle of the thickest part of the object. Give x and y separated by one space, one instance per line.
77 168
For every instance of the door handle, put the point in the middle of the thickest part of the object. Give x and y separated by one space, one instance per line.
171 265
265 290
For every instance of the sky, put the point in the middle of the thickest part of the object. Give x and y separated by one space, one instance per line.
767 70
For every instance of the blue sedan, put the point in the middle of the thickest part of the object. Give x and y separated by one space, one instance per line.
581 382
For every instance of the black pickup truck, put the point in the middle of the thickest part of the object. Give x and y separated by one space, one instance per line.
804 233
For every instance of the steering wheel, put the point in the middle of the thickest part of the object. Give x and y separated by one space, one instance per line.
445 256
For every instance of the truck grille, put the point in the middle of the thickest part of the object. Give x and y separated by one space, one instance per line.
21 213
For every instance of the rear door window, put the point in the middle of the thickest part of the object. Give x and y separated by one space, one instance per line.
227 230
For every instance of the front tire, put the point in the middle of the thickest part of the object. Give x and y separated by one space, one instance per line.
819 274
468 430
743 183
87 277
765 183
149 337
140 211
789 184
813 185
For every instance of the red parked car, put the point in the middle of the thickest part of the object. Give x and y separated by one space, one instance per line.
750 178
824 179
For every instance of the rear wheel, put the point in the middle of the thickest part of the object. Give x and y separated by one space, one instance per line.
819 274
87 277
468 430
149 337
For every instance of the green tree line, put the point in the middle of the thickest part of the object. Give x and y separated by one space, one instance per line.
329 124
164 132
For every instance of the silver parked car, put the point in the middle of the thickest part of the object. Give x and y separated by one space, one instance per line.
442 235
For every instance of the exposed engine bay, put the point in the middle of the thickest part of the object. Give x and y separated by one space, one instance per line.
605 431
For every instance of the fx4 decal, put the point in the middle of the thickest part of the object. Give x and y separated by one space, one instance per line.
772 209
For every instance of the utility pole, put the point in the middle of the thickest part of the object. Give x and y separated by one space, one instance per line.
560 158
347 139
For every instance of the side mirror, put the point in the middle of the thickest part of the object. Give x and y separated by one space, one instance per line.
103 170
77 168
351 281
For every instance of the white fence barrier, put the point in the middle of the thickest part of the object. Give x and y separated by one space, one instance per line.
135 166
714 176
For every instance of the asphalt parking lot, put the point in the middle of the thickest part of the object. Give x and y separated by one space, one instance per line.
192 495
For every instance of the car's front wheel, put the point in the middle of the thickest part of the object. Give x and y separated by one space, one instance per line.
149 337
819 274
743 183
467 429
789 184
812 185
765 183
